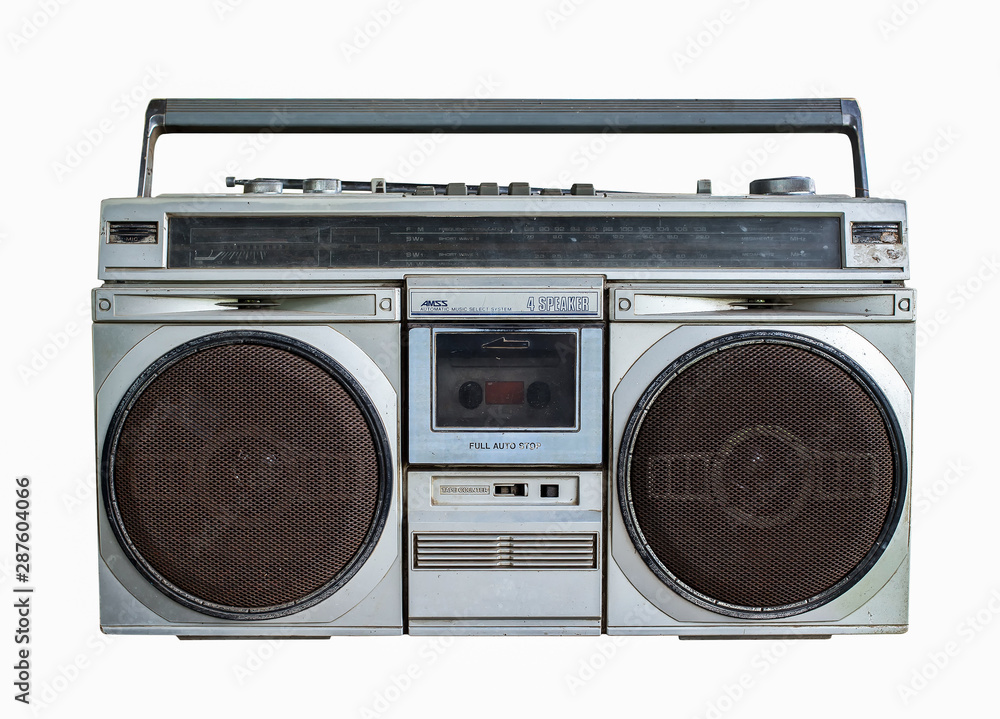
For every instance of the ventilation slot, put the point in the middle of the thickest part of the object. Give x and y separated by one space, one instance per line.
762 303
510 551
250 303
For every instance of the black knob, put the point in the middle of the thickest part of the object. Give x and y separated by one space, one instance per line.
783 186
470 395
539 395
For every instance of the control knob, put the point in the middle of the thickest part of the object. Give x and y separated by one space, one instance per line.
783 186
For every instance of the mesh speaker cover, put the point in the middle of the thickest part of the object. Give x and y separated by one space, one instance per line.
761 475
246 475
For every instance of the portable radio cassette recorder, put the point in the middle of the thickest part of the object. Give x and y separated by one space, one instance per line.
329 407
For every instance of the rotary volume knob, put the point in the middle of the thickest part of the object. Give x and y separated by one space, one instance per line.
322 186
783 186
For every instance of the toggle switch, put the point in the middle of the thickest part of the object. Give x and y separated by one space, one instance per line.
510 490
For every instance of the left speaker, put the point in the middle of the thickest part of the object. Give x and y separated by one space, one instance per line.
248 479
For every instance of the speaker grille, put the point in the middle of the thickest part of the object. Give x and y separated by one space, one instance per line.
761 475
246 476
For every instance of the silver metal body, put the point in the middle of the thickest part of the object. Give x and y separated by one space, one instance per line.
503 517
148 262
642 318
486 564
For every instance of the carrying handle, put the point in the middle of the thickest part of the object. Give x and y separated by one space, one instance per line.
504 116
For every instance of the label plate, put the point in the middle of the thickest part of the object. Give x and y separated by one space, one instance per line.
583 304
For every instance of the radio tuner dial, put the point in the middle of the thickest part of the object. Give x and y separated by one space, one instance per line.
783 186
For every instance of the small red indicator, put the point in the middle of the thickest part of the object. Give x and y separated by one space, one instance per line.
505 393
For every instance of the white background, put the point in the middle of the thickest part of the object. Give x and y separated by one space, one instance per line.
76 76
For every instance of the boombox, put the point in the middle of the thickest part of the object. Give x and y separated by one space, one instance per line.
337 407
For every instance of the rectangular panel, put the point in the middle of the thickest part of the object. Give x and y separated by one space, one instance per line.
484 550
486 490
760 303
508 303
565 428
343 241
505 380
510 393
480 560
257 304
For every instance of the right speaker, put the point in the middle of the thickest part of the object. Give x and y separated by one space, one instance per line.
760 479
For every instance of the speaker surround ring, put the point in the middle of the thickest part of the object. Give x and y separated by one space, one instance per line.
258 486
674 576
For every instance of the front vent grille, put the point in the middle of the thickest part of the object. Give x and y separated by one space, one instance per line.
504 551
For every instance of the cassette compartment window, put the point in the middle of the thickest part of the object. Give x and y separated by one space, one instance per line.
519 379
